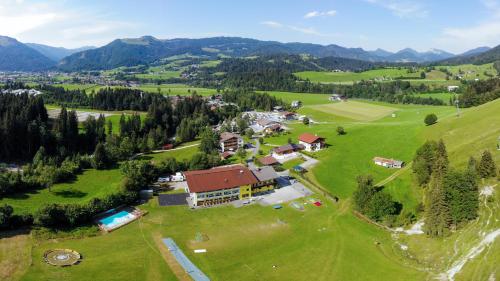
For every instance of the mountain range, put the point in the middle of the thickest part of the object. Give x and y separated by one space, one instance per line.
17 56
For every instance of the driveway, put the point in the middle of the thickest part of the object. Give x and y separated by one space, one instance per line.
309 163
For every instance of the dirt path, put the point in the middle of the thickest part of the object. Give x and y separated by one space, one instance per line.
395 175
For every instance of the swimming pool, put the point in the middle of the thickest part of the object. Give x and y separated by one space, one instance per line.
117 220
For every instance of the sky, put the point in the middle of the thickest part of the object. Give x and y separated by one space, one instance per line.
454 26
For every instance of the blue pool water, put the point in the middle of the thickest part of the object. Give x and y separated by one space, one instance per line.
117 219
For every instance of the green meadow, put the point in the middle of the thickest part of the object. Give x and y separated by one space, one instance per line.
347 76
177 89
90 184
436 76
325 243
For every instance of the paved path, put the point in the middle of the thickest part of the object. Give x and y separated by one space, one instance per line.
309 163
255 150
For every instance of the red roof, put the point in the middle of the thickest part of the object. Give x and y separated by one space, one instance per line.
219 178
309 138
268 160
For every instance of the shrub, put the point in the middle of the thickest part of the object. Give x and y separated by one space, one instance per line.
430 119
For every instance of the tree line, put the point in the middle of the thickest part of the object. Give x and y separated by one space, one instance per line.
451 195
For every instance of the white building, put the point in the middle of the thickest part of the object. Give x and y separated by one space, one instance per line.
452 88
311 142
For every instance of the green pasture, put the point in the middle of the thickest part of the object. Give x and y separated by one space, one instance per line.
325 243
336 77
90 184
177 89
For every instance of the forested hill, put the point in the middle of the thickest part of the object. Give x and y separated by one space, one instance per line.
16 56
489 56
146 49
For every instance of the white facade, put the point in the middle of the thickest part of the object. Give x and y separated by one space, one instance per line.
311 147
217 194
452 88
239 144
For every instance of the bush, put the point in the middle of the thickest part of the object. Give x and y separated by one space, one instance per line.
430 119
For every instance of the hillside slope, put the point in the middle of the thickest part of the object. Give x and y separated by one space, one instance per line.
489 56
55 53
477 129
126 52
16 56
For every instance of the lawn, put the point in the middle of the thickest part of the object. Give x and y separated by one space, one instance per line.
90 184
342 77
445 97
328 242
292 163
469 72
355 110
253 243
183 152
177 89
160 75
305 98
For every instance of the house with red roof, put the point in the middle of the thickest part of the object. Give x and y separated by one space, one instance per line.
228 183
311 142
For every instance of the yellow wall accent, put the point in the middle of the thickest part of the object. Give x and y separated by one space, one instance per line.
245 192
262 189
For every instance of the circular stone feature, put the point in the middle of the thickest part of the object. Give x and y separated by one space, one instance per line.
61 257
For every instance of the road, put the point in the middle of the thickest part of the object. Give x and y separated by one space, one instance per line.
255 151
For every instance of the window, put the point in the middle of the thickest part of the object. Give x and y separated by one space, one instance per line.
201 195
236 191
218 194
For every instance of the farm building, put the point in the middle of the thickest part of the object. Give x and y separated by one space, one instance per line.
388 163
311 142
288 115
264 123
224 184
230 142
337 97
452 88
286 151
274 128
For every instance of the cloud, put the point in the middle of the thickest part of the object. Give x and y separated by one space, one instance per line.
272 24
314 14
303 30
55 24
484 33
402 9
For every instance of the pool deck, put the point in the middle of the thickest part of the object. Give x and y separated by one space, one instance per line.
132 210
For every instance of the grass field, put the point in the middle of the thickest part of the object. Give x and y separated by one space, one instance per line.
161 75
325 243
355 110
339 77
305 98
90 184
177 89
445 97
468 72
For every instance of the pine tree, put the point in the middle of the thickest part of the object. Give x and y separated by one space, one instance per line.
487 167
437 212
